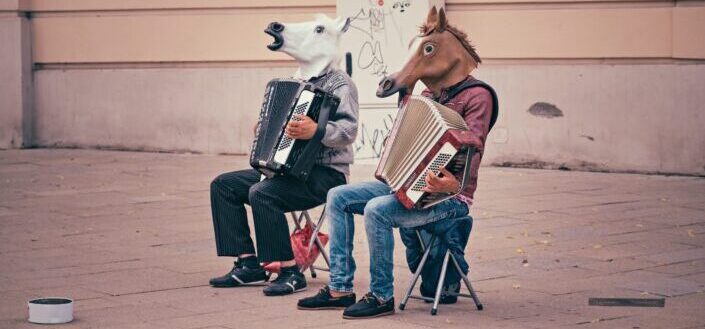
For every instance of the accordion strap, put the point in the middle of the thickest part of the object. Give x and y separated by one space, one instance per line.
333 80
472 83
328 108
467 170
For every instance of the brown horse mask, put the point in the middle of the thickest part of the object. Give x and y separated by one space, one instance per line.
442 57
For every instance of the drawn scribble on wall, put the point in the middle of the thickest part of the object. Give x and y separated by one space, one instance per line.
370 141
374 22
401 5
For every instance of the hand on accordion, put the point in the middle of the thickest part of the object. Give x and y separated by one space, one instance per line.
441 184
301 127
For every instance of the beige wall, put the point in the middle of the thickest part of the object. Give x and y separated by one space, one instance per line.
207 110
16 124
186 75
88 31
162 30
617 117
10 82
689 32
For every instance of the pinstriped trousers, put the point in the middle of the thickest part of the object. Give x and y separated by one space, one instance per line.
270 200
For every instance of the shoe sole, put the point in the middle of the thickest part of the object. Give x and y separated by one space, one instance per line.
321 308
253 283
368 317
441 302
291 293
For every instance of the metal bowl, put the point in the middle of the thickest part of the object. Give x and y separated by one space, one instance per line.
50 310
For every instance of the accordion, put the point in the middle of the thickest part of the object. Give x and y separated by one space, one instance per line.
273 153
425 136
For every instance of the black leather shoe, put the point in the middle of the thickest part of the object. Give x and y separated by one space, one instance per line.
288 282
240 275
324 301
369 307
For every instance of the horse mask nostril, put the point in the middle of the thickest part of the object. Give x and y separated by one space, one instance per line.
276 27
387 84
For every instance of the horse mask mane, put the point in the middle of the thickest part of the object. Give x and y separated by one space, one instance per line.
442 25
314 44
441 55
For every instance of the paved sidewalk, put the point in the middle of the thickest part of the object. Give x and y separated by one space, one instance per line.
129 237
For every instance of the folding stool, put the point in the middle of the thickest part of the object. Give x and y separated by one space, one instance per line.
447 258
298 219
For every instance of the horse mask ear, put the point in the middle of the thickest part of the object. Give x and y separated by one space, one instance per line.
442 21
432 17
342 25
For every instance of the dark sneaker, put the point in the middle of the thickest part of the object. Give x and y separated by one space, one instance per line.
448 294
288 282
369 307
240 275
324 301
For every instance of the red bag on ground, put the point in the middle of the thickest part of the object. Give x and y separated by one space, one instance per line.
300 239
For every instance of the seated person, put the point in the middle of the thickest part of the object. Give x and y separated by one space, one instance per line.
270 199
443 60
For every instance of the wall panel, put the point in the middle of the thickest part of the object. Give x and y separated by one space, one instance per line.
569 33
155 38
614 117
689 32
93 5
9 5
499 34
452 3
202 110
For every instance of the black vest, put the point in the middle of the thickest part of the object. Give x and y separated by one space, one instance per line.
472 83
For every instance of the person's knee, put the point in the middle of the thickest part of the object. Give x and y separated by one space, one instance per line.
261 193
217 184
337 196
374 207
374 213
256 193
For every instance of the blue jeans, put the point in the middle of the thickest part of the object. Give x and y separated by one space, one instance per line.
382 212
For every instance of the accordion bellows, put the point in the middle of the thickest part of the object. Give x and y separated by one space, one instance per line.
425 136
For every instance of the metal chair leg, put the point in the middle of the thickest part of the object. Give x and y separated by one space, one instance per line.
323 253
315 240
296 219
441 281
316 227
418 235
416 276
307 216
468 285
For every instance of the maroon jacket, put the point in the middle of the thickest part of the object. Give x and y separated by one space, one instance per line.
475 105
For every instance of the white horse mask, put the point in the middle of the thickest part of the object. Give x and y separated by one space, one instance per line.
314 45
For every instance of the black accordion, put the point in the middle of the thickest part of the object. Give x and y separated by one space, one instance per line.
273 153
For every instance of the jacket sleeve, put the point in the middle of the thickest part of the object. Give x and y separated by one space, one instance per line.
476 104
343 130
477 113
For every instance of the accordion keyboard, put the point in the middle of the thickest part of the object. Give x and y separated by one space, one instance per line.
440 160
286 144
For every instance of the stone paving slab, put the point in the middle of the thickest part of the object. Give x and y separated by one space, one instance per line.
128 235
